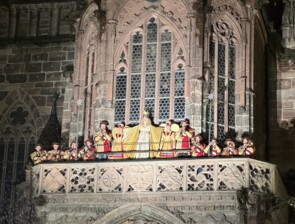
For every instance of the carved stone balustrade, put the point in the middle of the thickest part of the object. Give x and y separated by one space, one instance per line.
155 176
157 191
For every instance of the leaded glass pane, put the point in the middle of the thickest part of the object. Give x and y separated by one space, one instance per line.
150 85
231 63
220 113
220 132
135 86
134 110
166 36
9 171
121 87
221 88
151 57
210 119
120 107
221 60
136 59
165 56
137 38
10 153
152 32
20 172
21 151
149 105
231 115
2 151
212 52
179 83
231 92
165 85
231 87
179 108
164 109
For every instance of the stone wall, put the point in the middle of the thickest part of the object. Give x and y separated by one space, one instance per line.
38 71
37 50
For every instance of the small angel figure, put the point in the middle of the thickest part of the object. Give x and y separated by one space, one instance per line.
212 149
167 141
118 143
230 148
247 149
198 146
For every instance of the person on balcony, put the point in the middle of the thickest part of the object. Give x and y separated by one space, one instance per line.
212 149
167 142
247 149
230 149
73 151
198 146
39 155
102 140
88 151
118 144
54 154
143 137
184 135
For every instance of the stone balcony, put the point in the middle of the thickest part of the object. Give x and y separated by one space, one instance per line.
158 191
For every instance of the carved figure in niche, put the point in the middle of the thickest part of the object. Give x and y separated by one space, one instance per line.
212 149
184 135
230 148
102 139
143 137
118 143
73 151
54 154
39 155
88 151
167 141
198 146
247 149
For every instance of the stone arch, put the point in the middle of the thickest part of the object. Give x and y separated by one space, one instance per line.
20 97
144 18
139 212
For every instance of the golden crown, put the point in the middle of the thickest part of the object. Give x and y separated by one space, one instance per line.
146 113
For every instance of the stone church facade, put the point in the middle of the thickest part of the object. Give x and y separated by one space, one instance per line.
228 66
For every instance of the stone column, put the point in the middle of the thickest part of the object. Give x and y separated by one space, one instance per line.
13 21
55 10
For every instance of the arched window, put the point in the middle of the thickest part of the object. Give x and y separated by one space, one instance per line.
147 78
221 112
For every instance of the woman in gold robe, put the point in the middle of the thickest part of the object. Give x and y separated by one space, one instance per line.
143 137
118 143
167 141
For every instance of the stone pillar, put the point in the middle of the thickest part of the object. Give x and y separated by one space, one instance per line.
33 22
54 20
13 21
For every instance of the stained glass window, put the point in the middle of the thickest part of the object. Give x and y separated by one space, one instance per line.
224 92
149 78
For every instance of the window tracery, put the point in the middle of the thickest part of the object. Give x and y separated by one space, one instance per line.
148 80
223 57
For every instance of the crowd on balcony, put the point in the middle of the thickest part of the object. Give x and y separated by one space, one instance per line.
143 141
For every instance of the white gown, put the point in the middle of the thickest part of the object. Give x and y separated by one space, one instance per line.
143 141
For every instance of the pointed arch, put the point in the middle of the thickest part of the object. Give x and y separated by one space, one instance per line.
140 211
151 79
135 26
227 55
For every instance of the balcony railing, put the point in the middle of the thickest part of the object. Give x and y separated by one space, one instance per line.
155 175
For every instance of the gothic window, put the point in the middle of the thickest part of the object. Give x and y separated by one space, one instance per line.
221 112
146 79
88 91
17 141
